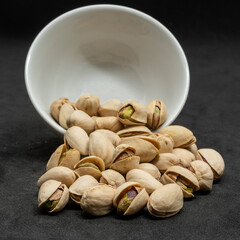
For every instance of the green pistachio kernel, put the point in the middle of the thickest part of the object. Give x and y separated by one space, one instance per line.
189 189
127 112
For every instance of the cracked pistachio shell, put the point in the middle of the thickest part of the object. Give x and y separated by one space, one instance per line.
165 141
110 108
214 160
185 156
133 131
56 106
125 163
62 174
139 201
101 146
76 137
186 176
89 104
182 137
47 189
144 178
77 189
88 170
98 200
112 177
203 173
63 157
165 201
112 136
110 123
144 148
194 149
83 120
138 115
150 168
156 114
64 114
165 160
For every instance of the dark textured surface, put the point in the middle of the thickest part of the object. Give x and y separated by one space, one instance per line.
210 37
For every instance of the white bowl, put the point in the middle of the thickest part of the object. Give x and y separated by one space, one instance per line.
108 50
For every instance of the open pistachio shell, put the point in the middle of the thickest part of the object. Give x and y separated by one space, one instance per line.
165 141
53 196
133 131
112 177
133 204
62 174
156 114
165 201
77 189
63 157
214 160
112 136
89 104
110 108
150 168
110 123
56 106
83 120
98 200
182 137
64 114
76 137
185 156
132 113
145 179
203 173
91 165
183 177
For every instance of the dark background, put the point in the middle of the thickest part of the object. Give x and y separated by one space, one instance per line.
209 32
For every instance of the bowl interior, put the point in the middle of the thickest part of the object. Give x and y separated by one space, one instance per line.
110 51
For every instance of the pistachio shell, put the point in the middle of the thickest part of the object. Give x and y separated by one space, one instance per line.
80 186
165 141
89 104
109 123
77 138
145 179
194 149
133 131
165 201
203 173
83 120
214 160
110 108
56 106
182 137
138 203
112 177
98 200
62 174
185 156
64 114
112 136
150 168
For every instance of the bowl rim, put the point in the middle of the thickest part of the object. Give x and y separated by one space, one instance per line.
92 7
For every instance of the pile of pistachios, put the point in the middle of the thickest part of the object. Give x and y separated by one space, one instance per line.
111 160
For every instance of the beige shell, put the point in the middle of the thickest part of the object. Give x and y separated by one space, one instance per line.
145 179
62 174
110 123
133 131
214 160
165 201
144 148
64 114
63 157
112 177
89 104
56 106
182 137
139 116
97 161
47 189
194 149
76 137
185 157
101 146
98 200
138 203
83 120
203 173
165 141
125 164
155 120
187 178
165 160
77 189
112 136
150 168
110 108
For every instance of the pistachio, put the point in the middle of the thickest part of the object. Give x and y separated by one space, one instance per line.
185 157
150 168
109 123
110 108
88 103
194 150
64 114
133 131
165 141
112 177
112 136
